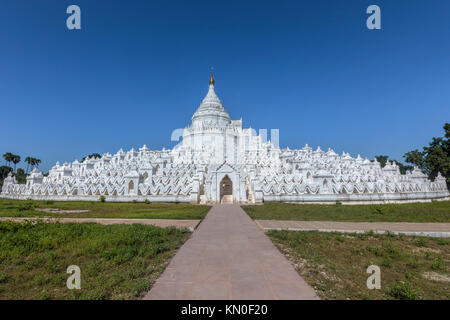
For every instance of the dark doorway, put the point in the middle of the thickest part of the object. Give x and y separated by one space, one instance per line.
226 190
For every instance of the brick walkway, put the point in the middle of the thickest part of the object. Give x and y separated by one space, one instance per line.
229 257
190 224
409 228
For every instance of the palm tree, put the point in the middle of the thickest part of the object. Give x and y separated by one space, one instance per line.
28 160
36 162
15 160
33 163
8 158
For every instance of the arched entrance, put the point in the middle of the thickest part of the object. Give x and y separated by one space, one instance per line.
226 190
325 186
131 187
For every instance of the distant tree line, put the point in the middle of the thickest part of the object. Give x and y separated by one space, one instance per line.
433 159
20 174
91 156
11 161
384 159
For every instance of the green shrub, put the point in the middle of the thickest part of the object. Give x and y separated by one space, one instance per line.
386 262
442 242
147 201
3 276
378 210
413 262
44 295
390 234
338 203
375 250
391 250
26 206
402 291
421 242
10 226
102 199
409 275
439 264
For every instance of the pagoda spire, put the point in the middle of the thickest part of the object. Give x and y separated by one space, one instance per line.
211 79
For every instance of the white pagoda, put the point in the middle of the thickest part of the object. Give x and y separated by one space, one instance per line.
219 161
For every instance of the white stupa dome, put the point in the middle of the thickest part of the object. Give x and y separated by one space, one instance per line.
211 111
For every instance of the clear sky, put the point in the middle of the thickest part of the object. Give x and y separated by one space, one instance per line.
137 70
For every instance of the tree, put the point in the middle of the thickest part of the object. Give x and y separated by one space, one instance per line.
21 176
4 170
28 160
33 162
382 160
8 158
37 162
435 157
403 168
91 156
416 157
15 160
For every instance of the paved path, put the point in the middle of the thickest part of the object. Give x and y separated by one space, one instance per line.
190 224
229 257
431 229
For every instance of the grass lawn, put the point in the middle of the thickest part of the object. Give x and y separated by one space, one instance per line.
116 261
130 210
335 264
437 211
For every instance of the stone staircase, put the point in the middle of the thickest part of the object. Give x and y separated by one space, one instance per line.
227 199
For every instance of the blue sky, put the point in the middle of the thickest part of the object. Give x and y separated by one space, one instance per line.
138 69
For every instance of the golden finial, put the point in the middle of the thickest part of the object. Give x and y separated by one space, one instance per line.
211 79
